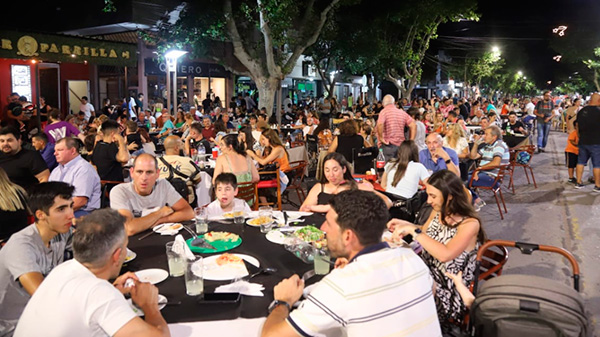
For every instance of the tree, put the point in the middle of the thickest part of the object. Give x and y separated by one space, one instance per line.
262 39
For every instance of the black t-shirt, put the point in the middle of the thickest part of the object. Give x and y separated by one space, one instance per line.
195 144
134 138
44 113
514 127
206 105
464 111
105 159
588 121
13 221
22 167
347 143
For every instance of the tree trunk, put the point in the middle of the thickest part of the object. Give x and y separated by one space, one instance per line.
596 80
267 89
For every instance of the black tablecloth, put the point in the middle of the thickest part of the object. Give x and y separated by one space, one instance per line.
512 141
151 254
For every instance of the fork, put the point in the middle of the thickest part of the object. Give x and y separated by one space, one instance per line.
308 275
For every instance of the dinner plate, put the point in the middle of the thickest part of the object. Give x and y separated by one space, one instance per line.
252 225
276 236
153 276
167 228
140 312
214 272
297 215
221 246
131 255
226 216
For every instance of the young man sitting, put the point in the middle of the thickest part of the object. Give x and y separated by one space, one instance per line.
226 190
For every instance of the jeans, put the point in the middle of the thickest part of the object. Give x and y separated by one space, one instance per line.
543 131
389 151
483 181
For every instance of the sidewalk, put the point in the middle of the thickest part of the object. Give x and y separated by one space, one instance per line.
553 214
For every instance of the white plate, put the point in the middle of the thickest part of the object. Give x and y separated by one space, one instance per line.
153 276
131 255
140 312
214 272
164 229
297 215
277 237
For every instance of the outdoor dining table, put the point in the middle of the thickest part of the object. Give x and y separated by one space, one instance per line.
151 254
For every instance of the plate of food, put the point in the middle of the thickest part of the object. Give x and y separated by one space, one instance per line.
227 266
222 241
154 275
312 235
278 235
168 228
261 220
162 302
131 255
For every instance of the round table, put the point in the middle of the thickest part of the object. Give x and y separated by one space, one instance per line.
151 254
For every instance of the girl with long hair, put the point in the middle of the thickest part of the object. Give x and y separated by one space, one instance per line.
323 133
403 175
450 239
274 151
13 207
456 140
234 160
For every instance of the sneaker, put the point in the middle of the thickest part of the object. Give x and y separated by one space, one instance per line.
479 203
591 180
578 185
596 189
542 150
572 181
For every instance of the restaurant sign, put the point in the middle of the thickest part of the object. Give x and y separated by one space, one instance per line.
47 47
184 68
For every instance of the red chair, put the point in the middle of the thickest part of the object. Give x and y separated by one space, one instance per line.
495 187
530 149
272 183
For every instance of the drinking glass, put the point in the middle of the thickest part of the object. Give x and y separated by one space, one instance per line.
201 222
194 277
176 262
266 212
321 260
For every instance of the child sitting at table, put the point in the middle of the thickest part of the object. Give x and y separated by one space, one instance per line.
571 153
226 189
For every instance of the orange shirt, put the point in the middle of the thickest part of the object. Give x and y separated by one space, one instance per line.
573 137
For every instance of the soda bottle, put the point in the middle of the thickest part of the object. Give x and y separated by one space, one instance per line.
380 162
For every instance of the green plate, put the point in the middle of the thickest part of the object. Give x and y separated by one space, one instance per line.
221 246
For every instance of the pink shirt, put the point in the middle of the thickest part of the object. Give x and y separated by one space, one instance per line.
393 120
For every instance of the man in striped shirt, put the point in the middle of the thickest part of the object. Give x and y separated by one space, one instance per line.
495 152
390 128
374 290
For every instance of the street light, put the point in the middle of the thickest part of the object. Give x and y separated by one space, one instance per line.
520 73
495 49
172 56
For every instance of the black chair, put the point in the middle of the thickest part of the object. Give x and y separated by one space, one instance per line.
312 149
363 159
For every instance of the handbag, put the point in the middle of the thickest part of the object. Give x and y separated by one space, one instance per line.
268 168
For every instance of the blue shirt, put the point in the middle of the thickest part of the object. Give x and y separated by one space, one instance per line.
48 155
167 126
83 176
425 159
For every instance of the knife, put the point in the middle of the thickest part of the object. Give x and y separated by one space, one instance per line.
285 218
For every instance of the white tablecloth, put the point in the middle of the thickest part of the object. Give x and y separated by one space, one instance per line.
230 328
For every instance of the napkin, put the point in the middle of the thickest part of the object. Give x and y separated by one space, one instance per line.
181 248
242 287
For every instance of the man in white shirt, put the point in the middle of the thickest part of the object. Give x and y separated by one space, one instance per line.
374 290
80 289
529 107
87 108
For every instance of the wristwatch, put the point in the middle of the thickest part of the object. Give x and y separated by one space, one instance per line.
417 232
448 161
277 303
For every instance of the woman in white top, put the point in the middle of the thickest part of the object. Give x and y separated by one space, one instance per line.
457 140
403 175
421 133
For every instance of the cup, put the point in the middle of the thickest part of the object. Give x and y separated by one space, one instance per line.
215 152
321 260
201 222
266 212
194 277
176 262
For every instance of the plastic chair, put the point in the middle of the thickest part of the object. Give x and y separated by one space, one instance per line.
247 192
296 176
495 187
514 164
272 183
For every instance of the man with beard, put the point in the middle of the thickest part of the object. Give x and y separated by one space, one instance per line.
24 167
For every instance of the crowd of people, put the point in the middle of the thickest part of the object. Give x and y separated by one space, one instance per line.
52 173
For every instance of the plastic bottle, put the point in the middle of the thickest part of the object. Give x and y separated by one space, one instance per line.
380 161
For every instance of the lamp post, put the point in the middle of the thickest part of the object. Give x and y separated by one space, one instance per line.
171 57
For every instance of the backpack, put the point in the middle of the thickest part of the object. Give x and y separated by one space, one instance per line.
523 157
182 182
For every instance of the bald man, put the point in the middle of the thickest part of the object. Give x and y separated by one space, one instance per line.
588 122
185 165
148 201
390 127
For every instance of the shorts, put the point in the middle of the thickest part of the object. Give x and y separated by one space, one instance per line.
589 151
571 159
